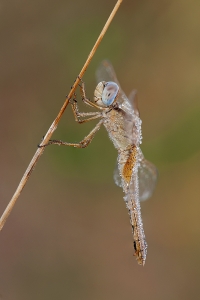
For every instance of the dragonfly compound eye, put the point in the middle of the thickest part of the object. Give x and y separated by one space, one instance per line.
109 93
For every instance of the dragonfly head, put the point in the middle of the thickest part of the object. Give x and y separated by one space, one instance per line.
106 93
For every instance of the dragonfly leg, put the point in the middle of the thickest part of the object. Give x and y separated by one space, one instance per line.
82 144
78 115
86 100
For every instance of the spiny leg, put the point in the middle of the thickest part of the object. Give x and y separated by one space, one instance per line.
77 114
85 99
82 144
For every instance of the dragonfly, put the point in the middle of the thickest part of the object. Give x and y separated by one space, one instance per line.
120 116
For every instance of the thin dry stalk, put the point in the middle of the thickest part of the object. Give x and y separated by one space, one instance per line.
55 122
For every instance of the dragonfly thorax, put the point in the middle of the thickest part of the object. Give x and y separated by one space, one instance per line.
106 93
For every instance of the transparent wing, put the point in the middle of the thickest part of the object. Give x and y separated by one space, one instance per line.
116 176
147 174
105 72
133 100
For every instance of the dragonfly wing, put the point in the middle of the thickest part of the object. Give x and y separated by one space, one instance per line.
133 100
105 72
148 174
116 176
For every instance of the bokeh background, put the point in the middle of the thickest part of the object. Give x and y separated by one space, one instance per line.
69 236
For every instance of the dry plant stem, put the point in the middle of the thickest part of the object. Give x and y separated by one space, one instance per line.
56 121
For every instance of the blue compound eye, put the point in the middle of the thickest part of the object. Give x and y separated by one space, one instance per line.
109 93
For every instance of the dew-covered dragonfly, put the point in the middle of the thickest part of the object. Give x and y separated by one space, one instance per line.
120 116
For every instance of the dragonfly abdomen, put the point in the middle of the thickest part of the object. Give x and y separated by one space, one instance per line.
128 169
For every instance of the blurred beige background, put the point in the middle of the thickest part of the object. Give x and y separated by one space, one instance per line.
69 235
